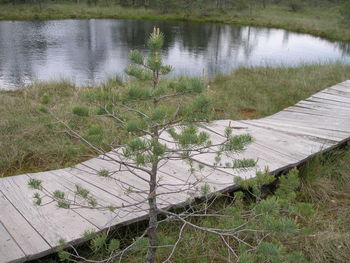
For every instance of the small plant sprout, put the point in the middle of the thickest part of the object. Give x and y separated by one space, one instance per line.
37 199
82 192
99 242
129 190
62 202
200 166
58 195
63 255
205 189
243 163
62 243
113 245
35 184
92 201
111 208
104 173
89 233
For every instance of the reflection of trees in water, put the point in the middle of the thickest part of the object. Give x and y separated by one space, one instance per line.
87 49
86 44
285 37
345 48
17 58
227 45
216 43
134 33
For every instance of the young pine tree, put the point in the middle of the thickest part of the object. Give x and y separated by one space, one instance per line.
157 108
163 119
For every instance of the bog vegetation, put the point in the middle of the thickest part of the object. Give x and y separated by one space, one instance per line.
31 142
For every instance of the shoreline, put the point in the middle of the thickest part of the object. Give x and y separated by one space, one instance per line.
149 14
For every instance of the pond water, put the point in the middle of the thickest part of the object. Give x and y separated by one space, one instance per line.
91 51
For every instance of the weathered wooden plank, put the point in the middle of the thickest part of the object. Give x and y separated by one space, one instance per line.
311 120
345 83
336 98
207 160
27 238
343 86
111 186
317 112
308 116
119 173
9 249
312 133
101 218
336 126
328 102
49 221
323 106
336 91
292 146
180 169
340 88
264 156
131 180
215 178
108 184
169 184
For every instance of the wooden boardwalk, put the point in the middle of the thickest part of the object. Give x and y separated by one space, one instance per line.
282 140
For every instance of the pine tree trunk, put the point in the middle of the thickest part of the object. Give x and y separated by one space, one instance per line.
153 213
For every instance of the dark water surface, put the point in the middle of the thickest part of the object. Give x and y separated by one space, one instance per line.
90 51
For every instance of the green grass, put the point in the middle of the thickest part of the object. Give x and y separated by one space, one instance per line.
32 141
326 184
262 91
324 21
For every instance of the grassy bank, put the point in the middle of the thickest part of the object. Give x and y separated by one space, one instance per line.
32 141
323 21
